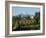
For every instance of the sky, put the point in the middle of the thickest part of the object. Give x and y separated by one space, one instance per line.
24 10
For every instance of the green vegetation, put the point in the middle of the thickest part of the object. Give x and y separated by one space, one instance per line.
26 23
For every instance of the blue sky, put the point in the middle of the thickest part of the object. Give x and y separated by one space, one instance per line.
24 10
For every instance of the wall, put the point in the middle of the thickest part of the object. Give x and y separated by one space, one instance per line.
2 19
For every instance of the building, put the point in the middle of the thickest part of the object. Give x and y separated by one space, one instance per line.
37 14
